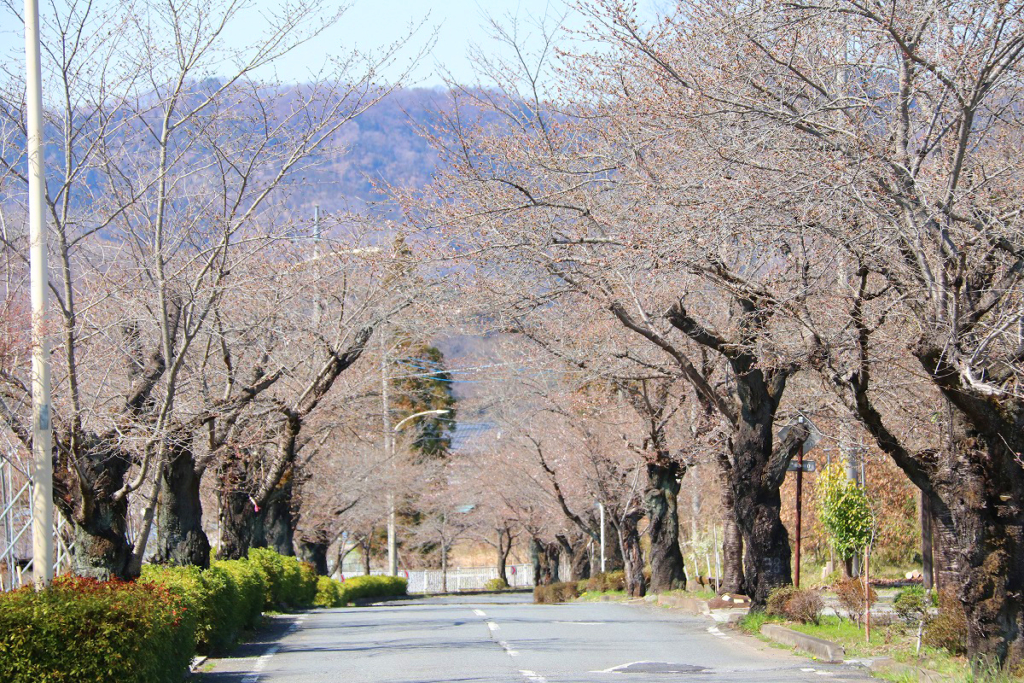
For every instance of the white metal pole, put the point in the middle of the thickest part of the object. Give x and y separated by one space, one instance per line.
389 453
601 506
42 441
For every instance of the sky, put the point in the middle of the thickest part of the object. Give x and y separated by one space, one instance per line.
369 24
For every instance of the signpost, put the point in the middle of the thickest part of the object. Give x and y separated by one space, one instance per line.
813 437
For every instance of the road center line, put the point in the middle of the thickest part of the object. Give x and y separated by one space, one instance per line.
533 677
479 613
494 627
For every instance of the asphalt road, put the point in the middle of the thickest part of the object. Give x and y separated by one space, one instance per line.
506 639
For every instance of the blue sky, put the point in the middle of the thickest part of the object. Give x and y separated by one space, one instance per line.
373 23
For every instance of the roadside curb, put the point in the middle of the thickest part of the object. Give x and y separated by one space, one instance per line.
886 664
692 605
824 650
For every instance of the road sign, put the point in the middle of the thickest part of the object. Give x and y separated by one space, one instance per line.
813 436
809 466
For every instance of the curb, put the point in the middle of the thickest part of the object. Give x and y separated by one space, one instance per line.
692 605
885 664
824 650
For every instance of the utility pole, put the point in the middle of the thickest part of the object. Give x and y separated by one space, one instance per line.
42 439
389 454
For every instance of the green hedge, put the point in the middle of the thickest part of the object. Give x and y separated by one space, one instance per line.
213 598
329 593
374 587
290 583
86 630
251 588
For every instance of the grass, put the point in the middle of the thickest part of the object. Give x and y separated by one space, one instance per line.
596 596
706 594
886 641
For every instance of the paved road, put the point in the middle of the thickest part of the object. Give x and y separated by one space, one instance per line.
505 639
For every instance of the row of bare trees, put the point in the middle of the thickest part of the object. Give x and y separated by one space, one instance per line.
733 195
199 323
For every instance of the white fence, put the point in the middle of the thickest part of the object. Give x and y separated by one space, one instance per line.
463 579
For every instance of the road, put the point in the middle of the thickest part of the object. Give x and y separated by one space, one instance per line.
506 639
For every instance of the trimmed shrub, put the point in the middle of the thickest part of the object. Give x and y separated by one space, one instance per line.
86 630
496 584
565 591
805 606
289 585
251 588
556 592
609 581
329 593
374 587
777 599
210 595
851 596
910 604
947 629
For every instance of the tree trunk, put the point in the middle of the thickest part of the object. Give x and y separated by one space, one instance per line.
444 567
364 547
732 538
579 559
632 555
758 506
279 519
545 562
100 521
660 500
314 552
241 527
180 539
927 545
535 560
504 547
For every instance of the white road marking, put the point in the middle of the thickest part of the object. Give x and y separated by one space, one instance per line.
264 659
807 670
479 613
261 663
508 649
823 673
494 627
616 669
582 623
534 678
713 630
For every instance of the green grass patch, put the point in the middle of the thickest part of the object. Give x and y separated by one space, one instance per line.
598 596
753 621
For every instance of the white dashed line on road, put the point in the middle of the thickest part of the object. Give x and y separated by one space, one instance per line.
533 677
479 613
508 649
494 627
713 630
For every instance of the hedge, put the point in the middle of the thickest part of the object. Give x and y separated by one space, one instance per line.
290 583
86 630
374 587
147 632
213 598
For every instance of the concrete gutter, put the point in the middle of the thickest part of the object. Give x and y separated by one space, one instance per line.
824 650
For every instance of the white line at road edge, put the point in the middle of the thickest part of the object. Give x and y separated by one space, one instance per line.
718 634
479 613
534 678
264 659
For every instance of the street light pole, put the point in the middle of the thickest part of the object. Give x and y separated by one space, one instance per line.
42 439
389 450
